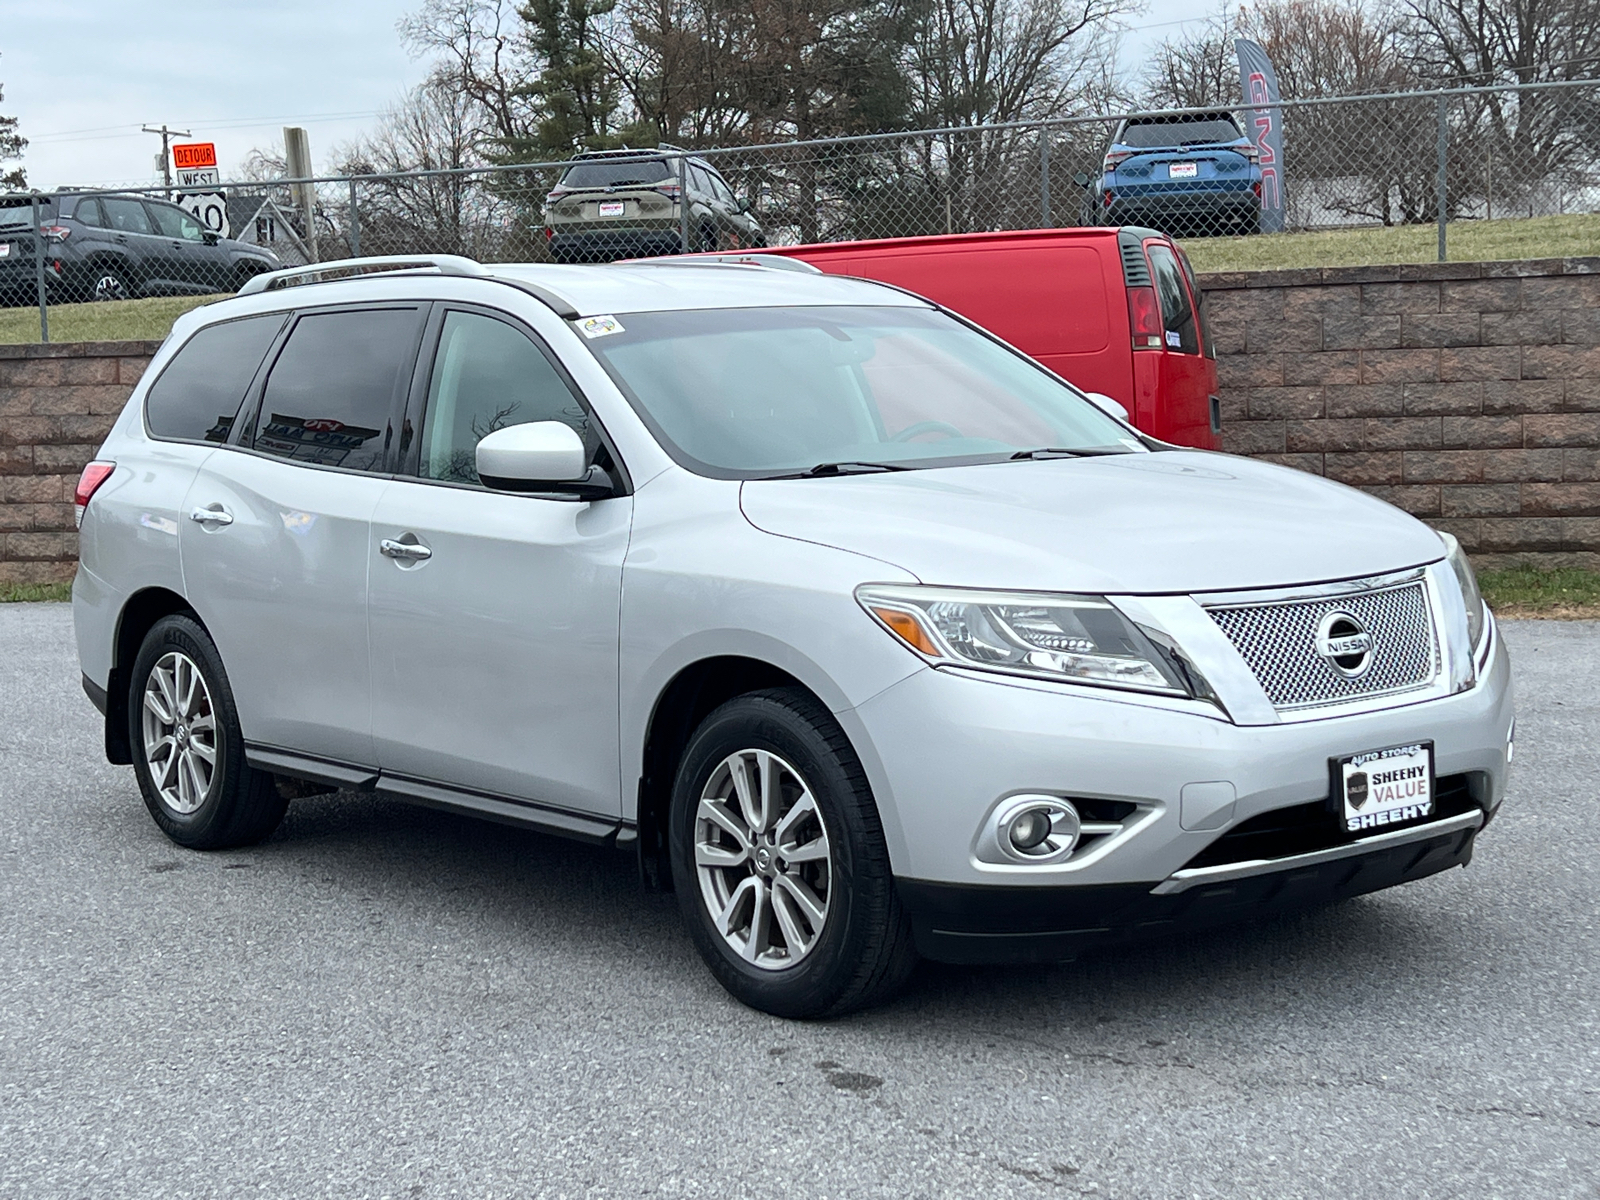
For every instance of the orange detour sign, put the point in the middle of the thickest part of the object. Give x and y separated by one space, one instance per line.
194 154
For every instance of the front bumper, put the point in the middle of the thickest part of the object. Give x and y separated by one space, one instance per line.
944 748
959 924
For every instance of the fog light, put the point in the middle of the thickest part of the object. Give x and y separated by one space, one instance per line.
1030 828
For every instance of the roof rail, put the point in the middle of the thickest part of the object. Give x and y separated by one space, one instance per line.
775 262
354 268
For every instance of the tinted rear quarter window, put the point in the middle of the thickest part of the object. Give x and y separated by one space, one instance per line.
330 398
87 212
197 396
1176 313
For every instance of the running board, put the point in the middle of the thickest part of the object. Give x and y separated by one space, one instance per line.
526 814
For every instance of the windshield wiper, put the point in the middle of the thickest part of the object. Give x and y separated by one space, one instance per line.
842 468
1061 452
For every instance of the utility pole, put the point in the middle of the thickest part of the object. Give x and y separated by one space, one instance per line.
166 150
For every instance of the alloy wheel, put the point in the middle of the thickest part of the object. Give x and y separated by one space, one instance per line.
109 287
180 732
762 857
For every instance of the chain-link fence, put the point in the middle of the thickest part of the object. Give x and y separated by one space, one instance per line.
1417 159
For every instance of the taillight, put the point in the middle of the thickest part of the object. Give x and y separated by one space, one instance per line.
1144 317
54 233
1110 196
89 483
1113 157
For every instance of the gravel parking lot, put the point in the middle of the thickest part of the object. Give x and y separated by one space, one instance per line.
388 1001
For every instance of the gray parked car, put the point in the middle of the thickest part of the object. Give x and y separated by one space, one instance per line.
117 247
611 204
867 635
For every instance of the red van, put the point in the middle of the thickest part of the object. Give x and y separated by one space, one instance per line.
1111 310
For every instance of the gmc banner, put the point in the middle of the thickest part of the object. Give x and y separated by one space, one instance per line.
1260 85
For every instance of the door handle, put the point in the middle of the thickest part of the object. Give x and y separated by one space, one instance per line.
407 551
212 516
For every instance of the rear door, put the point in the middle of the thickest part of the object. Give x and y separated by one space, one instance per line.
1184 387
277 527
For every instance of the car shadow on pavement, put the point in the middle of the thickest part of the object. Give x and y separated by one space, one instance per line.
548 895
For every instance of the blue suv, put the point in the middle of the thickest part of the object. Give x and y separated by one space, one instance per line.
1194 175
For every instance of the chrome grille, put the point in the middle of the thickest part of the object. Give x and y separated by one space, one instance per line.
1278 641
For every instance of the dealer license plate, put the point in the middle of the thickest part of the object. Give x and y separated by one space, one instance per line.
1381 788
612 208
1182 170
5 249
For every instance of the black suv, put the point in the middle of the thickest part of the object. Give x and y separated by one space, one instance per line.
611 204
115 247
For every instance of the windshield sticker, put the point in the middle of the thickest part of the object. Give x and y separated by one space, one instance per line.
594 327
1174 338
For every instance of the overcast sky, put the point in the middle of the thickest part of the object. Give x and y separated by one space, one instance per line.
235 74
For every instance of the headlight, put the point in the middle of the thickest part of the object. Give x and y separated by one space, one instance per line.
1468 581
1076 639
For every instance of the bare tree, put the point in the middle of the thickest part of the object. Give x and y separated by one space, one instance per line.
12 144
420 193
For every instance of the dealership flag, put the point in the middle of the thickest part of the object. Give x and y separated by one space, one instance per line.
1260 85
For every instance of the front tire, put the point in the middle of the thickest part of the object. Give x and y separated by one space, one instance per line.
779 861
188 751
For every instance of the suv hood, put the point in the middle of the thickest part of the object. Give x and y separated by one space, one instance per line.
1184 521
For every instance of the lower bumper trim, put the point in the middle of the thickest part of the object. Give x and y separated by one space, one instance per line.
972 924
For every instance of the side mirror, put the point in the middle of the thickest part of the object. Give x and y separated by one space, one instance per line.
541 456
1112 408
1081 179
744 206
210 237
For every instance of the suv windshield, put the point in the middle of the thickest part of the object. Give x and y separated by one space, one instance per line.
1147 134
748 393
615 172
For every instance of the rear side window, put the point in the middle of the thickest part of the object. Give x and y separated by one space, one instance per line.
88 213
1177 314
197 397
331 396
487 376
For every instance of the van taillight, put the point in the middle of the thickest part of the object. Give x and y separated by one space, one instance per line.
89 482
1144 317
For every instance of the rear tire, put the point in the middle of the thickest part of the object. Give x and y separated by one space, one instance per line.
107 282
816 934
188 751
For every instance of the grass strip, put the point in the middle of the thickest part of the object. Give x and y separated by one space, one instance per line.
1575 235
111 321
1560 593
15 593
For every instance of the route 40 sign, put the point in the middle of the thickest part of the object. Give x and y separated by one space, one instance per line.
196 166
209 208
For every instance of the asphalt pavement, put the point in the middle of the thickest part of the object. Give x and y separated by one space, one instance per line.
389 1001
